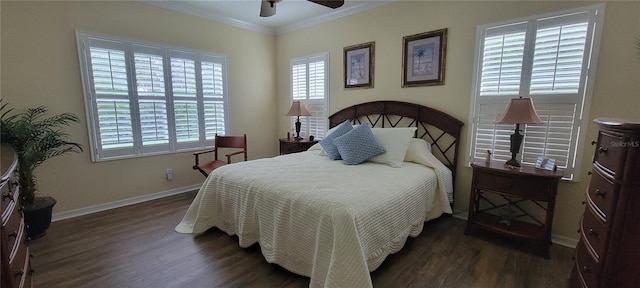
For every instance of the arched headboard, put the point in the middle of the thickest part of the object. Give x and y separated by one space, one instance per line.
436 127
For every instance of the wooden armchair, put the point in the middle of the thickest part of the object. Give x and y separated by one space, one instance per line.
221 142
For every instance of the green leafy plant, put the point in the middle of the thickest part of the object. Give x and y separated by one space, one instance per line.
35 138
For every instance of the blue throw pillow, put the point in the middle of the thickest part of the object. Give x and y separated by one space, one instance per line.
327 142
358 145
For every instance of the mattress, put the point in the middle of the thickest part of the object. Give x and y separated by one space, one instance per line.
319 218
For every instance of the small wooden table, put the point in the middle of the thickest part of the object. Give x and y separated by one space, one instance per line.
510 199
290 145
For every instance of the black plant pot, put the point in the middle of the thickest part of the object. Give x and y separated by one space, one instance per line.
38 217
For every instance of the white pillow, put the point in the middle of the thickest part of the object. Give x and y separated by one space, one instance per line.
395 141
416 148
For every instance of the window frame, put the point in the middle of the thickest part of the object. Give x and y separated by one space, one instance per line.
86 40
586 82
307 60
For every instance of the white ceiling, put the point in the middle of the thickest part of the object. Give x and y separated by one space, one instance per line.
290 14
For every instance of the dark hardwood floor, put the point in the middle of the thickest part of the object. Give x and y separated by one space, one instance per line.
136 246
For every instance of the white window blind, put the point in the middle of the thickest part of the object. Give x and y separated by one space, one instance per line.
549 58
152 104
309 84
146 98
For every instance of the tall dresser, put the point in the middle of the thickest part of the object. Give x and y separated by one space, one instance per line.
16 269
608 253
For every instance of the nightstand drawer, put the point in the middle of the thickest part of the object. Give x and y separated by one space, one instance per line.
531 188
288 146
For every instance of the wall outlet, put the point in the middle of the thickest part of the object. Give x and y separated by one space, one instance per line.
169 174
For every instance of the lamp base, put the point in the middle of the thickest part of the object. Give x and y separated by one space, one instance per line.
513 162
297 138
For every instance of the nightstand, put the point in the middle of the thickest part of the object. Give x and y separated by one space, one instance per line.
518 203
294 146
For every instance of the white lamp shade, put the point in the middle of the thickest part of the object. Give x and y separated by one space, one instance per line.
520 111
298 109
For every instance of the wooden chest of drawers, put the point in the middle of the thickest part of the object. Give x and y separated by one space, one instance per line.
608 253
16 269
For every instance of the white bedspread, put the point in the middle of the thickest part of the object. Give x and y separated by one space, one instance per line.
319 218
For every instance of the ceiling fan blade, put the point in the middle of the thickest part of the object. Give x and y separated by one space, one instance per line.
329 3
267 8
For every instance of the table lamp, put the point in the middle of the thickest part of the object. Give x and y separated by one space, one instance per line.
298 109
519 111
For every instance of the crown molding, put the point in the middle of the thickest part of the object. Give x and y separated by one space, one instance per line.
338 13
177 6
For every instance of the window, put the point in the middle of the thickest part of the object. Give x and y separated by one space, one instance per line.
145 99
549 58
309 84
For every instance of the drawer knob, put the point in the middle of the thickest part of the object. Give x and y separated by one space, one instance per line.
584 202
589 173
593 233
593 142
603 149
13 234
586 269
601 193
7 195
19 273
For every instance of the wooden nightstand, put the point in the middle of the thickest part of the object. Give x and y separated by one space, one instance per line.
294 146
511 201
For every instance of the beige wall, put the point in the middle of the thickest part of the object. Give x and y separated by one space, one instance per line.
40 67
616 93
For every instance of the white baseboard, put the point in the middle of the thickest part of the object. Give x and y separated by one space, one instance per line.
556 239
122 203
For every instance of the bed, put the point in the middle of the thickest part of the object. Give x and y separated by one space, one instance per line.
332 222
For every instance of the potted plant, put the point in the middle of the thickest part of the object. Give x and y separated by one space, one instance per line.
35 137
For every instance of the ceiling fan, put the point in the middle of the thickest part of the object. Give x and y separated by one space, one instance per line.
268 7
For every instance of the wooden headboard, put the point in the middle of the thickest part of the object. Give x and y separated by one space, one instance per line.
436 127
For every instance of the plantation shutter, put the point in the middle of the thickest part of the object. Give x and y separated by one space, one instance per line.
152 99
185 100
502 60
546 59
309 85
146 99
110 85
213 92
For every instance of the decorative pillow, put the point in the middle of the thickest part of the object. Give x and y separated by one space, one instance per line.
417 147
322 153
396 142
327 142
358 145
